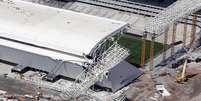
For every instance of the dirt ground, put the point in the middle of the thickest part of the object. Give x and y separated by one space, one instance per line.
145 88
18 88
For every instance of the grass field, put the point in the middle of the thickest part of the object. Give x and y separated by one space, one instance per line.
134 45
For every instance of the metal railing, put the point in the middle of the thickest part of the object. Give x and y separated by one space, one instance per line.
173 13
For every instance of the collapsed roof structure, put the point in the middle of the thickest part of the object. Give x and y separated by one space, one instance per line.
58 42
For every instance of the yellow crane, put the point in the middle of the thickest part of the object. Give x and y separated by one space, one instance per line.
180 75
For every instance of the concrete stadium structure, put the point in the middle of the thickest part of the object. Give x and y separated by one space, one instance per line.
59 42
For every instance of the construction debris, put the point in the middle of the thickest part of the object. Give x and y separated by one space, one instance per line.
172 75
162 90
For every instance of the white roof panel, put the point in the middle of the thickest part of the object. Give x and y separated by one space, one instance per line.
43 52
54 28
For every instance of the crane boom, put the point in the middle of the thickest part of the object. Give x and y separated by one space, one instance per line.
111 57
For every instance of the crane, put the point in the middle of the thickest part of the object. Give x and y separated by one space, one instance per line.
95 72
115 54
111 57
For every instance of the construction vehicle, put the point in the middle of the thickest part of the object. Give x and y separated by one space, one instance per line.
180 75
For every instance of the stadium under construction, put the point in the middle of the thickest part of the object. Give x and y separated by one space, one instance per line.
100 50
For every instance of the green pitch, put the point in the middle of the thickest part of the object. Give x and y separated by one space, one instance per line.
134 45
